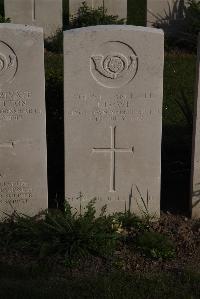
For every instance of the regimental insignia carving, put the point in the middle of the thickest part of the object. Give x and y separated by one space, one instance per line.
8 63
114 64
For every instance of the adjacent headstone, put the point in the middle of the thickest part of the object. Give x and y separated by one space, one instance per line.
156 10
113 7
74 5
116 8
165 12
43 13
195 173
23 165
113 114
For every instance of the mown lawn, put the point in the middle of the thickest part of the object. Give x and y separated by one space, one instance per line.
121 256
179 84
18 283
179 93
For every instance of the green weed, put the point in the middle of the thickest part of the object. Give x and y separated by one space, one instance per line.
61 233
91 17
156 245
4 20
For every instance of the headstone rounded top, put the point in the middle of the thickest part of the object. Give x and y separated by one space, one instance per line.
21 27
115 27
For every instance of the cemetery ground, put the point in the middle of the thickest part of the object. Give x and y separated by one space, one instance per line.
61 256
121 256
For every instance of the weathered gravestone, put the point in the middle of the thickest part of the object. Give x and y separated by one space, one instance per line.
113 114
165 12
195 174
44 13
156 10
74 5
23 169
113 7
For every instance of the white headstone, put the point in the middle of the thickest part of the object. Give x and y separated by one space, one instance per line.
195 174
23 165
117 8
113 117
113 7
43 13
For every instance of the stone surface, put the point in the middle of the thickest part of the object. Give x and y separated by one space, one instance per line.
165 11
114 7
195 173
117 7
113 115
43 13
75 4
23 168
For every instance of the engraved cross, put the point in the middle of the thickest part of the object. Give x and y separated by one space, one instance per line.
113 150
13 143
